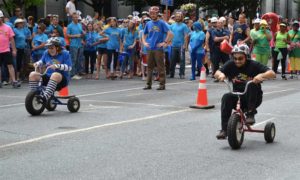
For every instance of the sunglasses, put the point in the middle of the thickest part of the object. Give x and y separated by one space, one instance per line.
238 58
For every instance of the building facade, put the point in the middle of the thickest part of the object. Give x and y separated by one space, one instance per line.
286 8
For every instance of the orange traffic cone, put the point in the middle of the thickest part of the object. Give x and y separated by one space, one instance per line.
64 91
202 102
289 67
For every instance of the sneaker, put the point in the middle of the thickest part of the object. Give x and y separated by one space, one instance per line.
181 77
144 78
250 118
161 88
41 99
192 78
76 77
5 83
291 77
222 135
216 80
16 84
147 88
283 77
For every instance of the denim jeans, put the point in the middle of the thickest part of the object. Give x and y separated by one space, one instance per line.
77 60
177 55
196 58
128 60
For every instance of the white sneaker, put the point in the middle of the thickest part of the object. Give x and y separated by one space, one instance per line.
4 83
76 77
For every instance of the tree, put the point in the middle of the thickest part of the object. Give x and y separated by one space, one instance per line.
224 7
10 5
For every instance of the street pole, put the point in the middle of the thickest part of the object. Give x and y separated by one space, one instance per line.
45 8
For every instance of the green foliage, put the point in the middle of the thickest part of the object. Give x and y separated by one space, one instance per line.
9 5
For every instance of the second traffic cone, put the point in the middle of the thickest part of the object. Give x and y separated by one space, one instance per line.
202 102
64 91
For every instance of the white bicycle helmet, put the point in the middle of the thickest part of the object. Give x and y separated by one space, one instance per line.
241 48
54 41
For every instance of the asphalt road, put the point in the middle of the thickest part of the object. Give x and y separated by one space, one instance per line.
124 132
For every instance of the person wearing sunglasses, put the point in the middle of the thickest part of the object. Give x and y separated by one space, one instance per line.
239 71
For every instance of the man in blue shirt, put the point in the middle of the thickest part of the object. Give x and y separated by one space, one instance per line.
180 32
75 33
154 42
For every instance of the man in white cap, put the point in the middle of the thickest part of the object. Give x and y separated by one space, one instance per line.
7 42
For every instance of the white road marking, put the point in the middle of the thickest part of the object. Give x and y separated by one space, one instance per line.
11 105
130 89
272 92
263 122
91 128
133 103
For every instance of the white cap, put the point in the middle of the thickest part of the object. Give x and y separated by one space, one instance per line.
257 21
214 19
19 20
1 14
222 19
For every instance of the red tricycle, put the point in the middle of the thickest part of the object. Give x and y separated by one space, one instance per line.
237 125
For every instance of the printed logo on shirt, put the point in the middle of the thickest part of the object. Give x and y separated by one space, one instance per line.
155 29
241 77
239 30
5 33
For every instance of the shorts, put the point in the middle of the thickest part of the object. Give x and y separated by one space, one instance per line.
102 51
6 58
62 84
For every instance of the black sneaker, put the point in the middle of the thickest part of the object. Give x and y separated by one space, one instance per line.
222 135
147 88
283 77
250 118
41 99
181 77
16 84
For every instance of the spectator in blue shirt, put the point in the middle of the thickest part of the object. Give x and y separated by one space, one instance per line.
101 44
22 34
55 25
113 45
180 32
154 42
90 50
17 14
129 43
75 33
38 43
197 38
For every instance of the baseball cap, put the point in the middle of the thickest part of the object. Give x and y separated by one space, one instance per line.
214 19
1 14
19 20
296 22
257 21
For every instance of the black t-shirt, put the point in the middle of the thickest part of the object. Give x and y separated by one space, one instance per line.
240 76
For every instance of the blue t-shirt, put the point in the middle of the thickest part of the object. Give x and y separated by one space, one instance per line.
239 32
90 38
179 30
73 29
20 37
195 37
62 42
143 48
129 38
155 31
115 35
101 45
39 39
62 58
